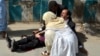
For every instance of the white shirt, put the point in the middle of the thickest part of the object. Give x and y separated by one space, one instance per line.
67 20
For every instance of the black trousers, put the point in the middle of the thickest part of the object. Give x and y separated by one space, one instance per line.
28 43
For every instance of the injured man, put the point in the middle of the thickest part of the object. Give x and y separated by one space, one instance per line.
26 42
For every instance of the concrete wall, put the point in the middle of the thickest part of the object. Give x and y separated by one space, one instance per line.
78 11
15 9
83 10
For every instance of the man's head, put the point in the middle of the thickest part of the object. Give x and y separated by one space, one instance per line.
53 6
65 14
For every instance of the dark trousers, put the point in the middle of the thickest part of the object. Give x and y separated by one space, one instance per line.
28 43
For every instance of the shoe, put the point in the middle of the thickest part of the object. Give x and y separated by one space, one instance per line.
8 40
45 53
13 46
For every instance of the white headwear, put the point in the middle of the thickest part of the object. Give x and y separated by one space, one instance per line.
52 21
49 16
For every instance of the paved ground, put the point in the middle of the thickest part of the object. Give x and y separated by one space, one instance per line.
92 43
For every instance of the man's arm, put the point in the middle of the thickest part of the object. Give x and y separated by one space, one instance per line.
38 35
71 25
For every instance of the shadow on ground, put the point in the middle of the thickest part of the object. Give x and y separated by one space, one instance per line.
82 38
18 33
97 32
23 51
96 29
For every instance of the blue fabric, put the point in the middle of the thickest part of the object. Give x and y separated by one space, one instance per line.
3 20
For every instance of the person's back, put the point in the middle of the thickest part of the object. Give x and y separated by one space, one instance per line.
52 23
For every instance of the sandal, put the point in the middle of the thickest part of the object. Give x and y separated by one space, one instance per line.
45 53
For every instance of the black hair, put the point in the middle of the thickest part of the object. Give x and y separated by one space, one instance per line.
65 8
69 13
52 4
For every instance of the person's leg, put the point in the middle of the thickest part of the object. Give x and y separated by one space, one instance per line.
3 34
25 40
19 42
49 36
22 41
8 39
41 44
30 45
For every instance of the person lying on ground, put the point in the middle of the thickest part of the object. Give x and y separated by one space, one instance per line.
27 42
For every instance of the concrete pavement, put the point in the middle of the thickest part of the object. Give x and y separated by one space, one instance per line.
91 43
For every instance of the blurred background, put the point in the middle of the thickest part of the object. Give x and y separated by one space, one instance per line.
32 10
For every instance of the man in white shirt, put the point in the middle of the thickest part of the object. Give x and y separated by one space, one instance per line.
67 17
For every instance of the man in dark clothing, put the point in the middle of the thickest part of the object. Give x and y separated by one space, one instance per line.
28 42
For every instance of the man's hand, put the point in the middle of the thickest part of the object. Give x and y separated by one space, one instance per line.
37 35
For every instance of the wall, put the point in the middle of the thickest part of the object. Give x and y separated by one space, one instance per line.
27 11
82 10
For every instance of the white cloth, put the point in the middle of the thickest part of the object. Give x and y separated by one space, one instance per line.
52 21
49 37
65 43
66 21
